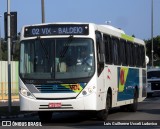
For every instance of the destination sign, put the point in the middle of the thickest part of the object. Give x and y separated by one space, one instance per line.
48 30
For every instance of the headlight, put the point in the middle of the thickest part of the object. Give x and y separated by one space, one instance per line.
26 93
89 90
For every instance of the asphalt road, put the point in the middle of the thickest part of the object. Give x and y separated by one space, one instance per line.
148 113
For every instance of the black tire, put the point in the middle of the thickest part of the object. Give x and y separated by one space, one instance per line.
149 95
133 107
124 108
45 116
103 114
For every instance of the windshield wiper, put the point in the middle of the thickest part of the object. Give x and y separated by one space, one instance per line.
66 45
43 47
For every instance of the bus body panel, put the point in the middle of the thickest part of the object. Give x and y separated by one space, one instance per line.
123 94
90 101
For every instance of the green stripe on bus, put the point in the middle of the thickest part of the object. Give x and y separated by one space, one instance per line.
127 37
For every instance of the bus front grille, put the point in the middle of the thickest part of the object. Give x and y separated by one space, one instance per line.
52 89
64 106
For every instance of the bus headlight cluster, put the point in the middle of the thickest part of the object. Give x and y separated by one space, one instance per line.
88 90
25 92
84 92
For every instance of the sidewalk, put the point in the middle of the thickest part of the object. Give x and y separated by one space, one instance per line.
15 111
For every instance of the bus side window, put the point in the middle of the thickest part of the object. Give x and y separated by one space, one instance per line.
108 49
138 56
132 56
128 53
115 51
119 51
143 57
123 52
135 46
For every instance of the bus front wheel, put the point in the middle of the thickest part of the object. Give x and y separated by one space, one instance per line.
103 114
45 116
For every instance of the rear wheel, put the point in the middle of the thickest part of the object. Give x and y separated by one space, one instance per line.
133 107
45 116
149 95
103 114
124 108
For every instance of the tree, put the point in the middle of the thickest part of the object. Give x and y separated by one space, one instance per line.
15 51
4 50
156 48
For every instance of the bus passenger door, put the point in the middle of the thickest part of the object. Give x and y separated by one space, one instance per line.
100 70
100 53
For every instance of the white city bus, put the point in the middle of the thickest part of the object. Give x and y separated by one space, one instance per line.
80 67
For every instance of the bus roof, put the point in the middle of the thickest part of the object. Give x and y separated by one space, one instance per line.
113 31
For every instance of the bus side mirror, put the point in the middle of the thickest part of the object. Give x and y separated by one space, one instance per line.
15 45
13 48
147 60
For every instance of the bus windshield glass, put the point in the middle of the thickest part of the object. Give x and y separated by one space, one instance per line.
61 58
153 74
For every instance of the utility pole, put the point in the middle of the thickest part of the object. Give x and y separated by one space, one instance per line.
9 56
152 51
43 11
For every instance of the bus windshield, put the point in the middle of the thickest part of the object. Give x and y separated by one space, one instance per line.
59 58
153 74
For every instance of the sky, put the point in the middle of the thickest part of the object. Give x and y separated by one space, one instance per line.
132 16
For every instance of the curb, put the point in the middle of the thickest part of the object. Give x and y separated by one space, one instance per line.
13 100
19 116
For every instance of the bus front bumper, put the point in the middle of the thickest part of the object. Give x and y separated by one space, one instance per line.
78 104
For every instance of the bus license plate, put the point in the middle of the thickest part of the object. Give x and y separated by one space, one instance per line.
54 105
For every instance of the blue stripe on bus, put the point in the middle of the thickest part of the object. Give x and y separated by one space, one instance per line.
61 88
132 80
